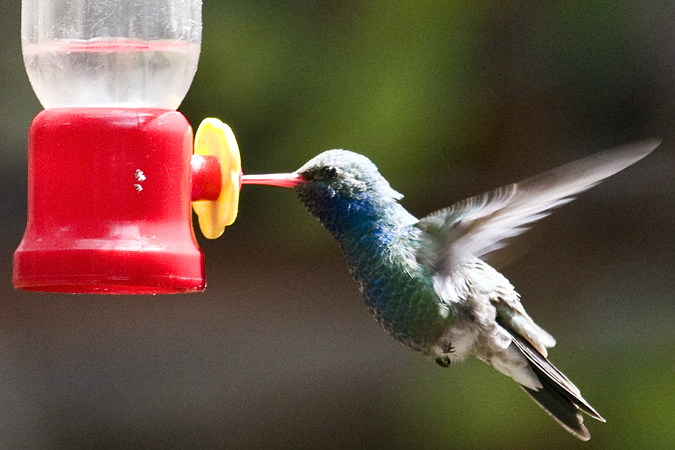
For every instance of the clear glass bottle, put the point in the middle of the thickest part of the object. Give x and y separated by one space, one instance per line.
111 53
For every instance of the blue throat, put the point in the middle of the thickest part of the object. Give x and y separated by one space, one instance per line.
378 240
369 217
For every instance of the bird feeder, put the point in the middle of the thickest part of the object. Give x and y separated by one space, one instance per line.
111 170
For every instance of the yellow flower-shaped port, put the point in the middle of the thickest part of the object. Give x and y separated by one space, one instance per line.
214 138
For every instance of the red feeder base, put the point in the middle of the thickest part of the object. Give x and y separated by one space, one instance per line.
109 194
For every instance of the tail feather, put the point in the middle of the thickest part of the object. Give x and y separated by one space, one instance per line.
559 397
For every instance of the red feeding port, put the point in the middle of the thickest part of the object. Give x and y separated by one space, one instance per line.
109 194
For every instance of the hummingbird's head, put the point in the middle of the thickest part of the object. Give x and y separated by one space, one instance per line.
341 174
336 185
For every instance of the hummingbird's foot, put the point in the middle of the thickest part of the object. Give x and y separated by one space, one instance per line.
448 348
444 361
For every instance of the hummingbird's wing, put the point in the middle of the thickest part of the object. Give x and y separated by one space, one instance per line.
479 225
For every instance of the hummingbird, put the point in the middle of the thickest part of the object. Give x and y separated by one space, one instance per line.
426 281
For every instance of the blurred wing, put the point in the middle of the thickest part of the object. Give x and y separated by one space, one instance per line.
479 225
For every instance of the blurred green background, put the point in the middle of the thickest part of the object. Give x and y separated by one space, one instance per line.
449 98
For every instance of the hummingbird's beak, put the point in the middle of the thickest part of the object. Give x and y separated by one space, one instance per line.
289 180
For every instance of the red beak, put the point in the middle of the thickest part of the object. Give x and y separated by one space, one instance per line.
275 179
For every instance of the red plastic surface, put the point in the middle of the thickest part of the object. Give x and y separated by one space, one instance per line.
109 194
207 179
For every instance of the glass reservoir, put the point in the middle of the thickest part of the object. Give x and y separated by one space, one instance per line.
111 53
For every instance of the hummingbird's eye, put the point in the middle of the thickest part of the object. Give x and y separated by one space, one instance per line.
329 172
